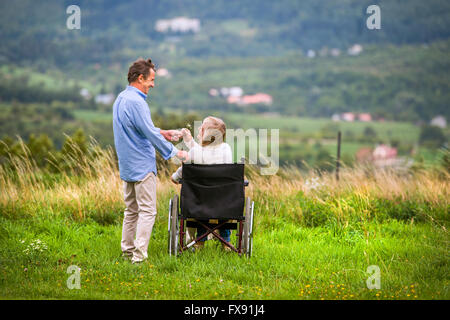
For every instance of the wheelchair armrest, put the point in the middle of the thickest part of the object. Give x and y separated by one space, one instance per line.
246 183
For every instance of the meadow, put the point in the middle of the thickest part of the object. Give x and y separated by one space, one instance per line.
314 237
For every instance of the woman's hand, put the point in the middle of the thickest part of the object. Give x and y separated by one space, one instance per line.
186 135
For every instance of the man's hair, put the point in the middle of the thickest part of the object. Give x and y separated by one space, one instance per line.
139 67
214 130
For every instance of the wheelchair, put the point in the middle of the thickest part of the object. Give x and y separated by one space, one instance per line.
212 196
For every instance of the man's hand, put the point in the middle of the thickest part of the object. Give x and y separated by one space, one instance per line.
171 135
183 155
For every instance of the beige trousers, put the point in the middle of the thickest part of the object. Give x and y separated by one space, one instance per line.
139 217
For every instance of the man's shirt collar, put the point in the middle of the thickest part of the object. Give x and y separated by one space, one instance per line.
132 88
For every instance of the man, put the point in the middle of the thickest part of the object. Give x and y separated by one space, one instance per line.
136 139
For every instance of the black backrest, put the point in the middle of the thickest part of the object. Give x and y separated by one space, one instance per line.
212 191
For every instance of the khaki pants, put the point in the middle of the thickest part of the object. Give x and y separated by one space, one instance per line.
139 217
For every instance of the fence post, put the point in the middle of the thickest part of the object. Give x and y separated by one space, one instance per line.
338 158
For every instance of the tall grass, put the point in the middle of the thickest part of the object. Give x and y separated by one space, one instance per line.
92 188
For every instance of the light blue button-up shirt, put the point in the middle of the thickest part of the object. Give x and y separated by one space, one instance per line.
136 137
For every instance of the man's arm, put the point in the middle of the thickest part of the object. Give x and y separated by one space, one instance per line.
143 122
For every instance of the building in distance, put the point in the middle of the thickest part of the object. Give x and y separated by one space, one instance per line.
179 24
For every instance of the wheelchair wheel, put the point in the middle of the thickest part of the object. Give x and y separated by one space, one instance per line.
173 226
248 228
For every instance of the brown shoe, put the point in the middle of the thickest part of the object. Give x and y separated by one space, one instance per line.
226 248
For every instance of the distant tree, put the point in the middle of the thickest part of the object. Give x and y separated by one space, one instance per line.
431 136
324 161
445 162
329 131
370 133
39 148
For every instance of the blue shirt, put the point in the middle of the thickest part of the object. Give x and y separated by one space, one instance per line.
136 137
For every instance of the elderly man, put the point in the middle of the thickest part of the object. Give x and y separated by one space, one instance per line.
136 139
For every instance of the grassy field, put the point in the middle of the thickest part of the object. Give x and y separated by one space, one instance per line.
314 238
402 131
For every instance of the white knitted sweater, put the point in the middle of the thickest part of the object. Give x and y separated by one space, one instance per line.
210 154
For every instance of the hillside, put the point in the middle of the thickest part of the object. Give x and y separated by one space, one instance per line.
115 30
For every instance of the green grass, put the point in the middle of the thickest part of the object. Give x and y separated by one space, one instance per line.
402 131
290 260
53 79
89 115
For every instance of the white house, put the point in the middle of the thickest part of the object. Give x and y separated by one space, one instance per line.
235 91
162 72
85 93
355 50
179 24
439 121
311 53
107 98
335 52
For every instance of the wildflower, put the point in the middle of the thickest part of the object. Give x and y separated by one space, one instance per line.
313 184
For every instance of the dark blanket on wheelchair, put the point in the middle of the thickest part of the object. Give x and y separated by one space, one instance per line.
212 191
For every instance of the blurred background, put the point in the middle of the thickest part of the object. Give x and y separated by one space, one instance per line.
309 68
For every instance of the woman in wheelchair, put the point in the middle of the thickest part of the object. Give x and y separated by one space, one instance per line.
212 150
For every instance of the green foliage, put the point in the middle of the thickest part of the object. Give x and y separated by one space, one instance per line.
432 136
236 28
316 256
